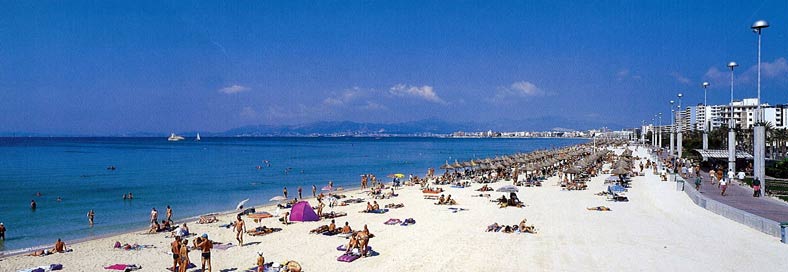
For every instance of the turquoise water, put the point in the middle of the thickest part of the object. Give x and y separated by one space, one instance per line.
195 177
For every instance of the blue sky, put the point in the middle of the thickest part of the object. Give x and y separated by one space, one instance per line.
108 67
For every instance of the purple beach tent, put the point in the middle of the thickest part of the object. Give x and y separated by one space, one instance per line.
301 211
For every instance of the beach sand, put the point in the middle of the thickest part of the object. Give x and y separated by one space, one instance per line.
659 229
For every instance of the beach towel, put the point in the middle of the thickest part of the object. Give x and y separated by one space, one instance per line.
328 233
379 211
123 267
392 221
347 257
35 269
223 246
345 235
54 267
409 221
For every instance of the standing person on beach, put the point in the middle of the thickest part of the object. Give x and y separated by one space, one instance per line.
205 247
240 228
314 190
284 191
91 215
183 256
169 214
2 232
299 193
154 216
175 248
260 262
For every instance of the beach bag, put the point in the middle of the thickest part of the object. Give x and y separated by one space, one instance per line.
55 267
117 245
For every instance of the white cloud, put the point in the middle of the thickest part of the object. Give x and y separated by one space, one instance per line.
424 92
234 89
525 88
626 74
343 98
374 106
248 112
680 78
520 89
721 76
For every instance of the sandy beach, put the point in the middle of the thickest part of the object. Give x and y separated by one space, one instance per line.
658 229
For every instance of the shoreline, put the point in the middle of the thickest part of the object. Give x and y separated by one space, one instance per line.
69 243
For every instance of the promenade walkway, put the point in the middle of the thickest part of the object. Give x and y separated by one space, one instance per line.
739 195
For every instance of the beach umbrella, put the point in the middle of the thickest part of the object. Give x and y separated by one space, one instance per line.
508 189
447 166
396 175
278 198
619 171
241 204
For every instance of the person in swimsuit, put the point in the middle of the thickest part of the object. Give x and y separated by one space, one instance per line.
60 246
299 192
33 205
154 216
260 262
363 241
332 228
169 214
375 206
240 228
183 255
284 191
314 190
91 215
2 231
346 229
175 248
205 246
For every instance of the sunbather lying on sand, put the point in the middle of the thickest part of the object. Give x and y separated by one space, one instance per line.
320 229
599 208
493 228
395 206
207 219
484 188
259 231
525 228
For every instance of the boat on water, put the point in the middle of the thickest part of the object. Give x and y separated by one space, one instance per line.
174 138
198 138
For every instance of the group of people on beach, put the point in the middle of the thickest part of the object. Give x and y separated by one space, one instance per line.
180 252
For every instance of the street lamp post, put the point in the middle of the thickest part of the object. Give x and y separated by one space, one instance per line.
706 116
659 140
672 128
679 141
759 131
731 125
654 130
643 132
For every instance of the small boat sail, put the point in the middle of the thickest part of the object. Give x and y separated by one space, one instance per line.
198 138
174 138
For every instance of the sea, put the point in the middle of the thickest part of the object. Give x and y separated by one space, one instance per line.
197 177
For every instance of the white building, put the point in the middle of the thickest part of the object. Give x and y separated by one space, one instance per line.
743 114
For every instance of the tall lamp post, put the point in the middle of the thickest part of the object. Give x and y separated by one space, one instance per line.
679 141
643 132
672 128
731 125
759 131
660 131
654 130
706 116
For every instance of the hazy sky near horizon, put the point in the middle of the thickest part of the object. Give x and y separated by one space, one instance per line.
109 67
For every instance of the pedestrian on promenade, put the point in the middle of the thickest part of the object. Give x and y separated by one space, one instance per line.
756 187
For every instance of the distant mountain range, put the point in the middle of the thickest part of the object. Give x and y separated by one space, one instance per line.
434 126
